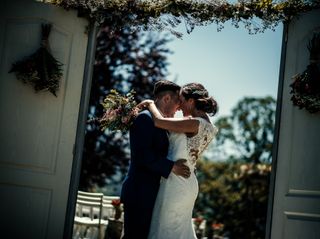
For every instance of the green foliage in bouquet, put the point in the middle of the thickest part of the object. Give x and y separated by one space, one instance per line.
119 111
41 69
305 89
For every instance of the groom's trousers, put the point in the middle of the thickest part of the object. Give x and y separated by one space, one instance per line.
136 222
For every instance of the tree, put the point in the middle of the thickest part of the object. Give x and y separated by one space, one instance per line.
125 59
248 133
233 198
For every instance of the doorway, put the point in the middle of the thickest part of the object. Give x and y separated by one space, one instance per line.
216 53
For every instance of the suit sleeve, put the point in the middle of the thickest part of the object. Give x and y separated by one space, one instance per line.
142 144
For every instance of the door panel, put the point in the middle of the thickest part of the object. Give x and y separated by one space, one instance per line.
38 129
296 211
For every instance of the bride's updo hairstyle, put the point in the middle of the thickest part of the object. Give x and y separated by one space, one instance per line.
201 96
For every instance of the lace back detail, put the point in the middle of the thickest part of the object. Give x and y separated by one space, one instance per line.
199 142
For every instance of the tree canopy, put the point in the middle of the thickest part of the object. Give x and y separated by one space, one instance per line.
247 134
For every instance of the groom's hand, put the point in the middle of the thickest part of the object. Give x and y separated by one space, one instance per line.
179 168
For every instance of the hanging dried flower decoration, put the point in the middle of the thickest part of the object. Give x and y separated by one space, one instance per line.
306 86
41 69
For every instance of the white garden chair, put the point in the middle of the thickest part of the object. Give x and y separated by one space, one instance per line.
88 222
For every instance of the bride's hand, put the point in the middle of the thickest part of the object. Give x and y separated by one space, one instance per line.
145 104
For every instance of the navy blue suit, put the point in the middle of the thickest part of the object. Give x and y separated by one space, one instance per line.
149 149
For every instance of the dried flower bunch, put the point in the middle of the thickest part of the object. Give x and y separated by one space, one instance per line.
119 111
40 69
305 89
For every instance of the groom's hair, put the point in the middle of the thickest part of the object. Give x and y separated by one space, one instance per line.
164 86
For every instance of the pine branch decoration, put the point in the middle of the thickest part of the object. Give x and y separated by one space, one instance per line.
41 69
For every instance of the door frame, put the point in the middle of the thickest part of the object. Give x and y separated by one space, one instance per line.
80 134
277 130
83 111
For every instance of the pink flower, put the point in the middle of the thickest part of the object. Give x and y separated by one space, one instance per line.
116 202
217 226
110 115
125 119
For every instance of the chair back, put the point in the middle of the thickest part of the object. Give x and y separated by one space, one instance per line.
89 205
88 213
94 210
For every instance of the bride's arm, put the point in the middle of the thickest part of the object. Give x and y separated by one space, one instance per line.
179 125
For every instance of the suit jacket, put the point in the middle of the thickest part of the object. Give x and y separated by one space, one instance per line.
149 149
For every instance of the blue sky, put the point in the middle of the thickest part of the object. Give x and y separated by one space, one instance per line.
231 64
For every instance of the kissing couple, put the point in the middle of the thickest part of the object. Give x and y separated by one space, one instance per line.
160 189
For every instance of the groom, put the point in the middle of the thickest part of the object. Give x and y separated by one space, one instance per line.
149 149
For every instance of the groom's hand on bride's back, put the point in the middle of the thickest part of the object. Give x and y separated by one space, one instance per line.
179 168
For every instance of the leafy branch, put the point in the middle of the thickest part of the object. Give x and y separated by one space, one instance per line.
167 14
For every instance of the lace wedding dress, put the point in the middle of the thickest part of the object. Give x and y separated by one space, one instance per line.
172 213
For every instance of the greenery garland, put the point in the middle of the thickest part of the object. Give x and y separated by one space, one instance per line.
256 15
306 86
40 69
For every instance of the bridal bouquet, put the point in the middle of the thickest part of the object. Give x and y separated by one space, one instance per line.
119 111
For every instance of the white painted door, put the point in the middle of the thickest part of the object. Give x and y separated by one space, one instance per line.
296 210
37 131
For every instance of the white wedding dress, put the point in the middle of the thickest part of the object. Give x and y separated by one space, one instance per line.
172 213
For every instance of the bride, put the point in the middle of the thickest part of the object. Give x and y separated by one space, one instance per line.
189 136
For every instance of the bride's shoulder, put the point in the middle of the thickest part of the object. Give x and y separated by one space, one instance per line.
214 129
204 121
208 126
